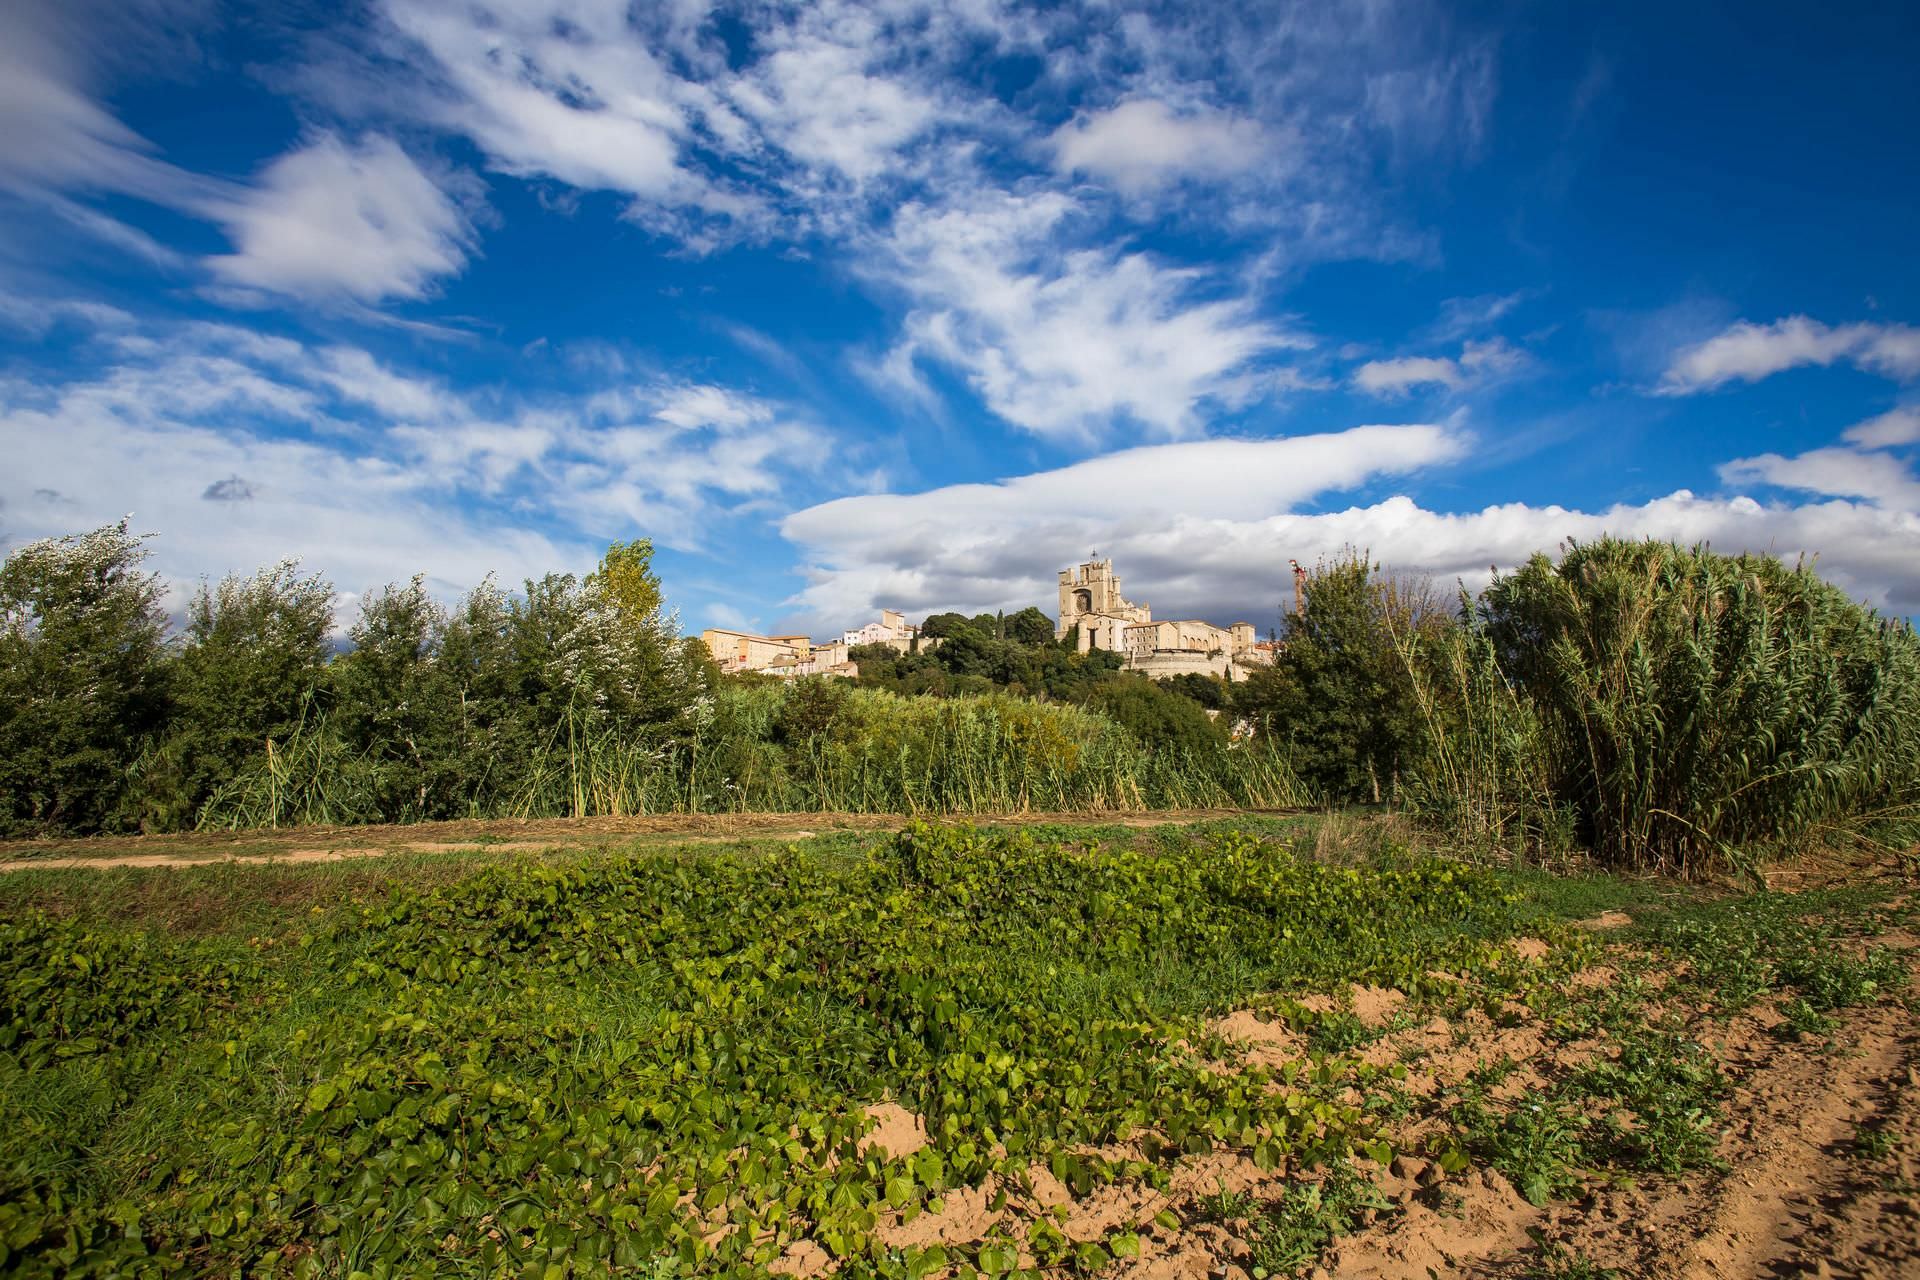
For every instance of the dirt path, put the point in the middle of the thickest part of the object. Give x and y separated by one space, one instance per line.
1797 1197
335 844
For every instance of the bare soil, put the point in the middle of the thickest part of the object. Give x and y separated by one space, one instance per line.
1794 1191
1799 1191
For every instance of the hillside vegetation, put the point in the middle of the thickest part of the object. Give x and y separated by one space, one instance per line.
1659 706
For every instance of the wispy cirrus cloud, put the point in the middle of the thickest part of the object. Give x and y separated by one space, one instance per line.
1068 342
239 444
354 219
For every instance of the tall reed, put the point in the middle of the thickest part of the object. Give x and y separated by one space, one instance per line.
1698 708
1481 772
879 752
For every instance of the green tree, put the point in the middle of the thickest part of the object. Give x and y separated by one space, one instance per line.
626 580
82 678
393 702
1158 718
250 670
1030 627
946 624
492 732
1210 692
1337 694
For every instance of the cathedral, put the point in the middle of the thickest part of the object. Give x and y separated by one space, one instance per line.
1090 600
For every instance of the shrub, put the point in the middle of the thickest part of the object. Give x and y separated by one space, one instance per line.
1697 707
82 678
1337 694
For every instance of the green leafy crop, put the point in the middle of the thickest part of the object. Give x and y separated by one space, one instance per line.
664 1063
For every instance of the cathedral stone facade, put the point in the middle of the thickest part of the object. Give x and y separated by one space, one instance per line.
1090 600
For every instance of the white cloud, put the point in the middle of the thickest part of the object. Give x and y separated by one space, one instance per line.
1228 567
1460 317
1894 427
1478 362
225 499
1860 466
1437 102
355 375
1748 352
1142 145
117 234
1393 377
1839 471
562 90
36 316
981 545
332 219
54 135
1067 342
239 447
820 102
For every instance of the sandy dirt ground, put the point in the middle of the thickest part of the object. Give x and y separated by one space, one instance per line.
1796 1193
1792 1193
333 844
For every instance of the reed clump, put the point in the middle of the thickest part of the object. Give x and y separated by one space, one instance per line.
804 746
1670 709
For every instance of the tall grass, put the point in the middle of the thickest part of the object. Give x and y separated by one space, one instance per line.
311 779
1482 773
878 752
1696 708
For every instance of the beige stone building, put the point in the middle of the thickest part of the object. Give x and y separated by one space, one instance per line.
1161 649
738 651
1090 599
797 655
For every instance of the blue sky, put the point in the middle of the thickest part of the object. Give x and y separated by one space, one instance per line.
852 305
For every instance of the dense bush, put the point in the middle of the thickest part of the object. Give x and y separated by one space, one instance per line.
82 679
1696 706
1015 654
815 744
1337 694
249 716
1160 718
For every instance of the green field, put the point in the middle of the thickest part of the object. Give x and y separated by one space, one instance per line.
660 1060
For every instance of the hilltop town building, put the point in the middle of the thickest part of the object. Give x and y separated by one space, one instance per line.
798 655
892 630
1090 599
737 651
